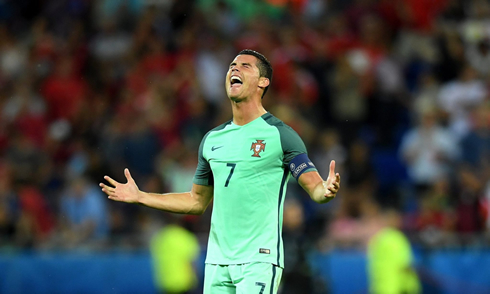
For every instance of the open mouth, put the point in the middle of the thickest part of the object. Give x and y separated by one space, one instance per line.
235 81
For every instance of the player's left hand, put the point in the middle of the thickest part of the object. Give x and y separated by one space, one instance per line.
332 184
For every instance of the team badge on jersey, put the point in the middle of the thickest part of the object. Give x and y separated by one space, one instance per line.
257 147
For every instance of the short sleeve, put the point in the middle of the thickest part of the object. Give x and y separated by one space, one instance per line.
295 153
203 175
292 144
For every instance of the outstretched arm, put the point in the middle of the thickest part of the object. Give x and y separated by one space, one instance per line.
319 190
194 202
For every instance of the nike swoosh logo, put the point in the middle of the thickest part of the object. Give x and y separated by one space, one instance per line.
214 148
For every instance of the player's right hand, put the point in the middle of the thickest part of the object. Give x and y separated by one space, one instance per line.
332 184
128 192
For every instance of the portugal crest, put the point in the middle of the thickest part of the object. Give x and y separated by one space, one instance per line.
257 147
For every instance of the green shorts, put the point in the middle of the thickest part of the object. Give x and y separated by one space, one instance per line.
247 278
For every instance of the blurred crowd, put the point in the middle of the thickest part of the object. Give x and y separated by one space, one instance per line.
396 91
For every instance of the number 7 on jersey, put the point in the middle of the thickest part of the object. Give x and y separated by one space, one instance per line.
233 165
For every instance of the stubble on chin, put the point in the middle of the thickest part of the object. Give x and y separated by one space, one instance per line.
236 99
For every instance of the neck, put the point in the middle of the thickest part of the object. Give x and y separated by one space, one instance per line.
246 111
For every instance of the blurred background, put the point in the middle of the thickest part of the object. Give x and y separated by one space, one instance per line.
396 91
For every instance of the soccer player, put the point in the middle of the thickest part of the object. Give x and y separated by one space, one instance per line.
244 164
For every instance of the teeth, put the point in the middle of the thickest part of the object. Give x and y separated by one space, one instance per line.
236 79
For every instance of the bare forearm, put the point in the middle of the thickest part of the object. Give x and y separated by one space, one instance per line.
185 203
193 202
319 190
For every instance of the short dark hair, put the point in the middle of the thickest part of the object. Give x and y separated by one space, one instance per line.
265 67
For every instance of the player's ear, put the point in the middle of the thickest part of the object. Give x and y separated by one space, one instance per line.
264 82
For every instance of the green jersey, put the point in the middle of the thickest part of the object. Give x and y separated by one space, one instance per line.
249 167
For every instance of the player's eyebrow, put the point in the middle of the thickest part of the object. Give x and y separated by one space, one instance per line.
243 64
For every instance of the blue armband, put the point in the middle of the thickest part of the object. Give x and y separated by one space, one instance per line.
300 164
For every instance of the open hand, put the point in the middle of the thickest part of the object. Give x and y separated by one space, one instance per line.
128 192
332 184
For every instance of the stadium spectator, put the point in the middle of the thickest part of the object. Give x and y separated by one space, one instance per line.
26 161
85 213
429 150
26 111
36 222
473 172
436 218
458 97
64 91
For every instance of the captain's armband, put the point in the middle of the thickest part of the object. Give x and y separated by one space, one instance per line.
300 164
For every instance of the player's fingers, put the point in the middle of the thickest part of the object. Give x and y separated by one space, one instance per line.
109 192
113 197
111 181
106 188
128 175
337 177
329 189
332 167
